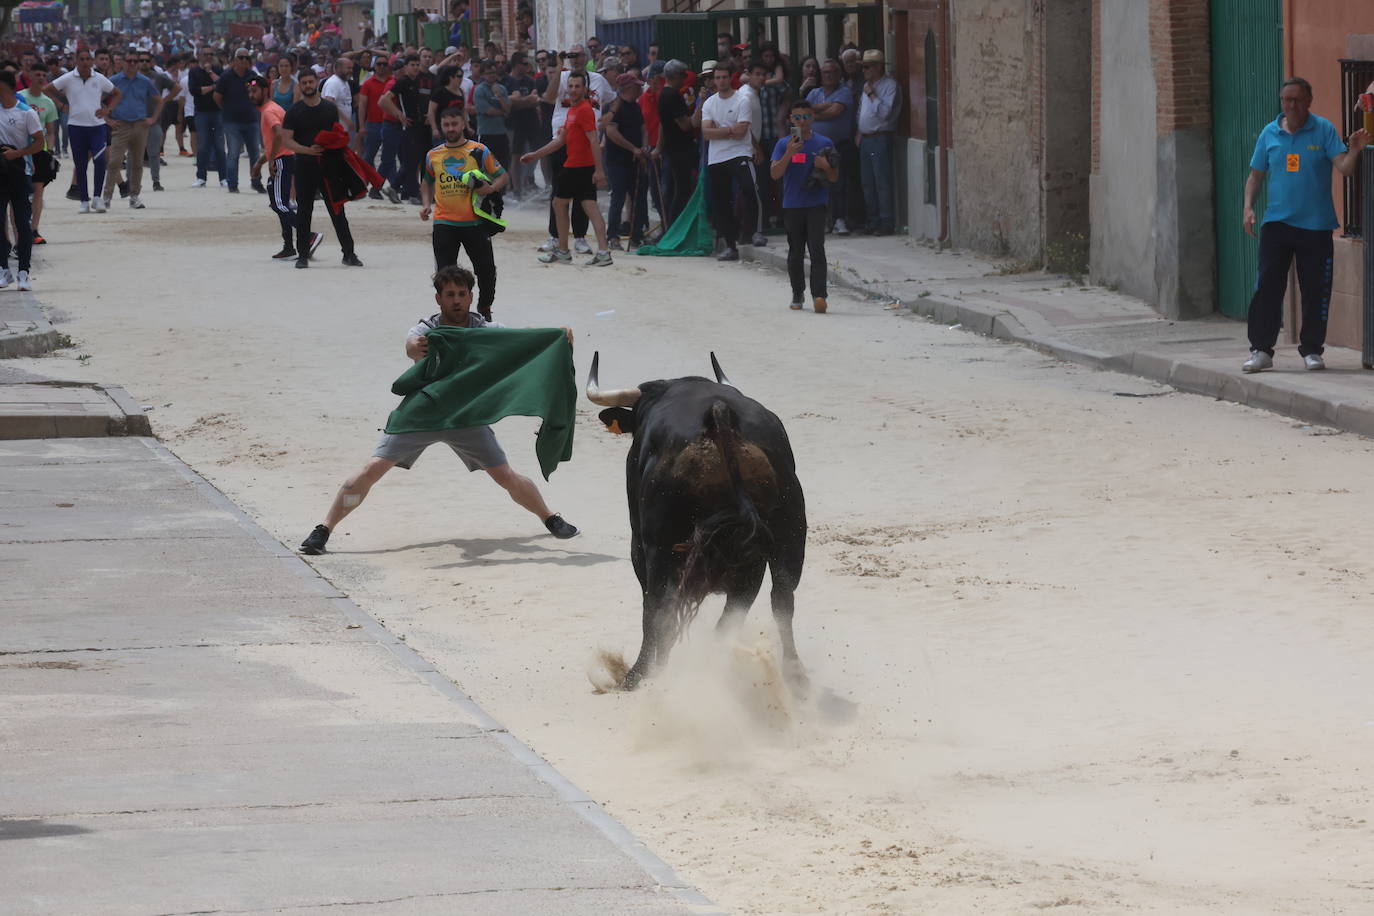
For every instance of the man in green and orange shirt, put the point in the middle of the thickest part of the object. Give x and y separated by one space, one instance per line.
448 193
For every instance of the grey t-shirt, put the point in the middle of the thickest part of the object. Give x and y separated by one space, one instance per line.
437 321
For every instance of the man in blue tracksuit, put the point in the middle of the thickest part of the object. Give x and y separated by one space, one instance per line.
1297 152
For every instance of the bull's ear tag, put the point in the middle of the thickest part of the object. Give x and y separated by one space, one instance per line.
614 427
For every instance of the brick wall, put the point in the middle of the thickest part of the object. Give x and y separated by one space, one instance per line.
1180 44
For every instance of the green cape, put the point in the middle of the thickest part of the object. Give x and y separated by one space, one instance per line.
476 376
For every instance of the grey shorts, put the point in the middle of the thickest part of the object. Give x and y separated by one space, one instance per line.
476 446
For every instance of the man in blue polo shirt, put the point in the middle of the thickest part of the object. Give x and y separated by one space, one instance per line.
138 108
1297 152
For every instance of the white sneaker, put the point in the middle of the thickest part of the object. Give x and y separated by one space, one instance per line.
224 182
1311 360
1258 362
198 183
581 247
135 203
24 283
99 205
841 227
551 244
6 278
85 207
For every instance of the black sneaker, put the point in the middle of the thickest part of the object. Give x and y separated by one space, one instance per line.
314 542
123 189
302 262
315 239
233 190
557 527
392 194
286 253
351 260
73 194
157 186
257 186
374 194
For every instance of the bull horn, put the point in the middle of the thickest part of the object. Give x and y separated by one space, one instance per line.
720 373
619 397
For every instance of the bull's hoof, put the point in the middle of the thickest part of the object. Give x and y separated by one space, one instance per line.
797 680
633 677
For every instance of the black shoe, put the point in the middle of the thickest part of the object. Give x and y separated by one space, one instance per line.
314 542
302 263
315 239
374 194
233 190
392 194
73 194
883 230
415 202
123 189
351 260
557 527
157 186
286 253
257 186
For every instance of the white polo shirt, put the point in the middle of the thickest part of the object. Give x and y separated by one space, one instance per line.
598 92
83 96
338 91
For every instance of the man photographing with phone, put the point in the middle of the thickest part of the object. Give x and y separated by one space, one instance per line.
807 165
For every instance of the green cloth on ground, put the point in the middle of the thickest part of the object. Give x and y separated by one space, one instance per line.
690 235
476 376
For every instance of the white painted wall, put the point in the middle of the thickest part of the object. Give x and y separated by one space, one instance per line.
1124 192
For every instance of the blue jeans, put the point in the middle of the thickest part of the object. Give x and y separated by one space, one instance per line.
623 185
875 165
209 142
239 136
372 143
15 191
392 132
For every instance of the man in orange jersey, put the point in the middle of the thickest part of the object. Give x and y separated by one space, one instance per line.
455 175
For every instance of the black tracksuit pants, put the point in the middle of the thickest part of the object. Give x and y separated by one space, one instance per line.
308 184
448 240
1280 244
741 172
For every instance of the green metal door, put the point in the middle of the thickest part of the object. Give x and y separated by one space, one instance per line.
1247 68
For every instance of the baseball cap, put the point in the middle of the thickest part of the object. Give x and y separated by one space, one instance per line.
657 67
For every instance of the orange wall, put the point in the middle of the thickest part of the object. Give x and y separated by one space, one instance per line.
1316 40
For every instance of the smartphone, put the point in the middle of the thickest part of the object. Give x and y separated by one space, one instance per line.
796 132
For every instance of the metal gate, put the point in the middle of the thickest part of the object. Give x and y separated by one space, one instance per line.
1247 68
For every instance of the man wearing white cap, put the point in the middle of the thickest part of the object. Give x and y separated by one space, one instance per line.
877 119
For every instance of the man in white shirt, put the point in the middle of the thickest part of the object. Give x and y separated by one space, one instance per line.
21 135
877 119
90 97
338 90
556 95
727 124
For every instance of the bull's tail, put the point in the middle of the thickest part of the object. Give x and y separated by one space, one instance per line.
729 541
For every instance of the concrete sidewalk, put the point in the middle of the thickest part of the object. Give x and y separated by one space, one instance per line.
194 721
1092 326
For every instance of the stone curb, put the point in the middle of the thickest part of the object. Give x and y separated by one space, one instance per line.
661 872
37 339
128 418
1259 391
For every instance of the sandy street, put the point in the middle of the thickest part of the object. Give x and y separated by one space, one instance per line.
1109 653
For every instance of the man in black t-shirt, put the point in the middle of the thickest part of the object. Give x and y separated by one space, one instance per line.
408 103
523 122
307 118
239 119
677 142
625 155
209 124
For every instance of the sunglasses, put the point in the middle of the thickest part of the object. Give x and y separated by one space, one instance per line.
802 117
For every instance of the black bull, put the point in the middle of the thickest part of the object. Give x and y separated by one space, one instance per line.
714 501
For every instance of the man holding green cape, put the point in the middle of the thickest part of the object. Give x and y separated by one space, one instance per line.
460 384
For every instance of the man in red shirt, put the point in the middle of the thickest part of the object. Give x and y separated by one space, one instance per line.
376 123
582 174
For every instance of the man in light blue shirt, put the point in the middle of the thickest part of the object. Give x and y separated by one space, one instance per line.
834 109
877 120
1297 151
139 107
